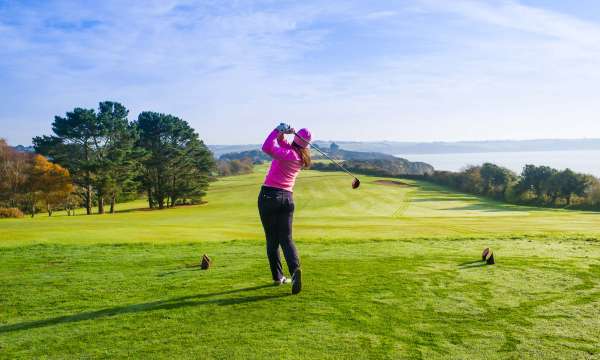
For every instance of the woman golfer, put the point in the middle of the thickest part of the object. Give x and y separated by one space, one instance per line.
275 201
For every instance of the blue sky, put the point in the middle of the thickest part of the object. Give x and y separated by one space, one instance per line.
415 70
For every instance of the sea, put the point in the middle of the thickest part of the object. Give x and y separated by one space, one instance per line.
583 161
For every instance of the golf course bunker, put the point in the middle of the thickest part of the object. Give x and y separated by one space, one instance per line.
392 183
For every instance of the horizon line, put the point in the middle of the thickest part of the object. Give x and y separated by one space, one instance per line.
430 141
406 141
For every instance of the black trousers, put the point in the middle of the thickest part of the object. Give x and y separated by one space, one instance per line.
276 208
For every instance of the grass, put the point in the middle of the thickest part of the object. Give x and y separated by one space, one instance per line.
327 209
390 272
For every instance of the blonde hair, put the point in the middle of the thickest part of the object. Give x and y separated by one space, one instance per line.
304 155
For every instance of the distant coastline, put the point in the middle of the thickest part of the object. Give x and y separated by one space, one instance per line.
424 148
583 161
443 147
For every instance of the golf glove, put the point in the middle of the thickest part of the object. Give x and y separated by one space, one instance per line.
284 128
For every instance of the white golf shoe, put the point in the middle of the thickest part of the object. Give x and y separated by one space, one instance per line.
282 281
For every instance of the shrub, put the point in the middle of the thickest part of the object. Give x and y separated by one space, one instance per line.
257 156
381 167
593 194
235 167
10 213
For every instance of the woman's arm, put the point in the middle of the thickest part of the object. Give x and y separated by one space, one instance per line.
271 147
281 141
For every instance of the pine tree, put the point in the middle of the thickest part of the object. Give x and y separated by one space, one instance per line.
176 163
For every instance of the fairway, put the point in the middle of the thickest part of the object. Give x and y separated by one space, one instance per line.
390 271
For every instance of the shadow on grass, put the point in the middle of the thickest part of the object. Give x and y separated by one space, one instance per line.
419 198
493 207
147 209
191 267
472 264
438 193
169 304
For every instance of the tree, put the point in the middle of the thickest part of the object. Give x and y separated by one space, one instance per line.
190 175
49 183
74 146
235 167
14 167
117 156
5 157
6 162
469 180
593 192
71 202
495 179
548 185
565 184
97 149
536 179
258 156
571 184
176 163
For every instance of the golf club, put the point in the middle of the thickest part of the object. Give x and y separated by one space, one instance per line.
355 182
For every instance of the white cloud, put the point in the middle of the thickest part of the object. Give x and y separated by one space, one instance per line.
479 70
511 14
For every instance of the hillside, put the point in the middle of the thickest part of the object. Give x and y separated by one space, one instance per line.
333 151
391 271
219 150
257 156
22 148
445 147
336 152
381 167
319 197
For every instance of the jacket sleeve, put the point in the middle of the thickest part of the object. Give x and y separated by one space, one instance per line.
272 148
282 142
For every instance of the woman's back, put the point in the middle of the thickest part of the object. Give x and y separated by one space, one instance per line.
286 163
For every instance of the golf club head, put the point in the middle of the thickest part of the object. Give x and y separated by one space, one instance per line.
355 183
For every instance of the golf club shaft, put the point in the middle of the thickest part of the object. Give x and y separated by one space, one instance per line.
327 156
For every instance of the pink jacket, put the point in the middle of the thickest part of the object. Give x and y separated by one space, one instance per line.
286 163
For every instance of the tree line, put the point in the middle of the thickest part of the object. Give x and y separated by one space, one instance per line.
29 183
235 166
536 185
240 163
109 158
256 156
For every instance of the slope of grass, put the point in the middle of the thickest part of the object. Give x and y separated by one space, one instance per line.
327 209
390 272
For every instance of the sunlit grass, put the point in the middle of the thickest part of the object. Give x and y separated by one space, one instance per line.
327 208
390 272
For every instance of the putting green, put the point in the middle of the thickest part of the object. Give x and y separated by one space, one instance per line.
390 270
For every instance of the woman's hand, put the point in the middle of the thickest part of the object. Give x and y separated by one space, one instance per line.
285 129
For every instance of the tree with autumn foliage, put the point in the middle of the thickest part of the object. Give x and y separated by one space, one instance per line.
14 169
98 148
49 184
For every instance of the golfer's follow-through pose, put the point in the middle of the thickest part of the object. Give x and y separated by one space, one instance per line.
275 201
